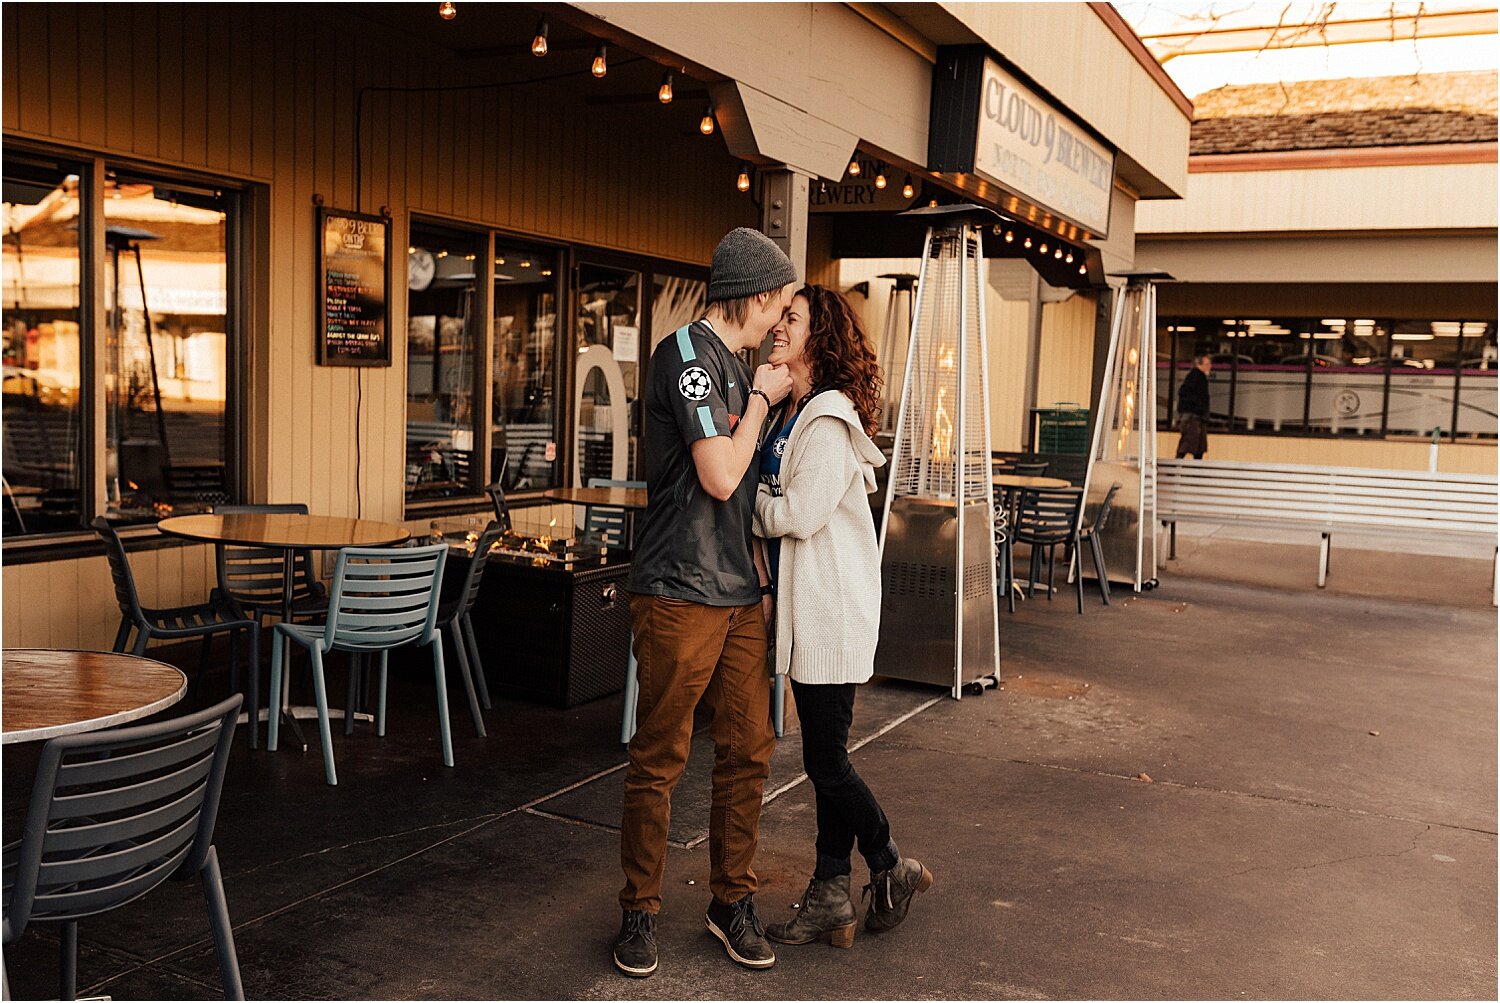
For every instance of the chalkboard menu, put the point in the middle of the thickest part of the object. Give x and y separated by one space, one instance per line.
353 286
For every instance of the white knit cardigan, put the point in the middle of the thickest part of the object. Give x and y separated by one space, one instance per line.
828 579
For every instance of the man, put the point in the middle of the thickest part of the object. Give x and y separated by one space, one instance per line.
695 604
1192 409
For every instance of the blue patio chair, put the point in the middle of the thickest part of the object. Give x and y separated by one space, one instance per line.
381 598
453 616
605 524
115 813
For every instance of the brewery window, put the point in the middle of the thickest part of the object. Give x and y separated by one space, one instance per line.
42 278
525 369
443 330
166 359
164 346
1347 376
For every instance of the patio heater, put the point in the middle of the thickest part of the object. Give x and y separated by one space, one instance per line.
938 609
1124 439
898 315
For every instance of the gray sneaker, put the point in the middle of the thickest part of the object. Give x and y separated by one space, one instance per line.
891 892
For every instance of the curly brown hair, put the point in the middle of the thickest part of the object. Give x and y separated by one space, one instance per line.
839 355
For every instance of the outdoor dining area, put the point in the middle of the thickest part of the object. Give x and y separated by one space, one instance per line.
96 837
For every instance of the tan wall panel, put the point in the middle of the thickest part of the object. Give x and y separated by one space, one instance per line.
1453 458
1426 196
1353 260
1067 361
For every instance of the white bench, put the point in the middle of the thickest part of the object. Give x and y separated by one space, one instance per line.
1328 500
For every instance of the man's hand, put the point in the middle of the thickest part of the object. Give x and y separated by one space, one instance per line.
767 608
773 381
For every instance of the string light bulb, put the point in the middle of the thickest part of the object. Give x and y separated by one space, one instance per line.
1010 236
1057 254
853 167
1069 258
908 190
706 123
1083 269
664 93
1042 249
743 181
880 181
1026 243
539 39
932 203
447 11
601 65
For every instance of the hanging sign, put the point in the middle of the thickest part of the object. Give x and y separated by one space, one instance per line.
863 193
990 130
353 289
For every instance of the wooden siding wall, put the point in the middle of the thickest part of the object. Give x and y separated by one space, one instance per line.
265 95
1066 371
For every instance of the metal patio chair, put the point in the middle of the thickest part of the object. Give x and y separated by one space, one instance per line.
252 576
1027 468
205 620
496 491
381 598
453 616
1048 518
115 813
605 524
1090 534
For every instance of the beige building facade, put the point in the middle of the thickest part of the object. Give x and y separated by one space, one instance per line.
170 175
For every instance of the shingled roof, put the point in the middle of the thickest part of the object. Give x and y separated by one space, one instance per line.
1338 114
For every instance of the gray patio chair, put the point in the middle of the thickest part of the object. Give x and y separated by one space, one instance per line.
1090 534
496 491
1048 518
453 616
205 620
381 598
112 815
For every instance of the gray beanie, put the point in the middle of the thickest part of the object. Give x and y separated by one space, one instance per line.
747 262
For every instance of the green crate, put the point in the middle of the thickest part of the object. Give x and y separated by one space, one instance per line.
1063 428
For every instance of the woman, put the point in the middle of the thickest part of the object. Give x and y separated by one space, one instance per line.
813 511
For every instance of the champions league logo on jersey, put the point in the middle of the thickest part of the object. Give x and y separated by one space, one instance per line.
694 384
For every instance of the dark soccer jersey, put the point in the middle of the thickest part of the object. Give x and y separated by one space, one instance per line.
690 546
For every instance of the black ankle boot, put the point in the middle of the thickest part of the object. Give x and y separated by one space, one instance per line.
738 927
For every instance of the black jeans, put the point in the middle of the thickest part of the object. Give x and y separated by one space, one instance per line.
847 811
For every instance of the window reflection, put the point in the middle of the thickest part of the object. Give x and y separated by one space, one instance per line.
1341 375
609 349
40 278
166 347
442 335
524 434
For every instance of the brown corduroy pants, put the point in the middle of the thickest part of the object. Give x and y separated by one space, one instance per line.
686 651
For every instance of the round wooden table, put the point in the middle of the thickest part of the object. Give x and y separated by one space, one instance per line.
1015 482
631 498
50 693
284 531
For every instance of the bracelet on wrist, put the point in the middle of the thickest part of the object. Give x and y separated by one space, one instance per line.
763 396
767 590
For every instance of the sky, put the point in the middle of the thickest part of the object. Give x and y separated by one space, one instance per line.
1198 73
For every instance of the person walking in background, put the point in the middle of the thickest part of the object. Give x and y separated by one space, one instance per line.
696 601
1192 409
817 470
